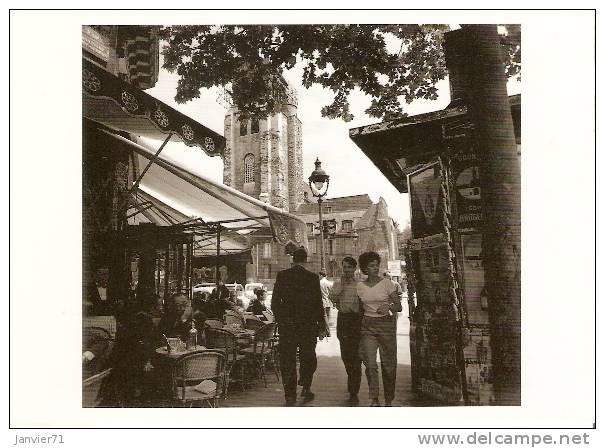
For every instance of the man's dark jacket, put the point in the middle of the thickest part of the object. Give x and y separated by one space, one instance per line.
297 300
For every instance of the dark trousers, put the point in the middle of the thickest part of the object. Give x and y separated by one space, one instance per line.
291 339
348 330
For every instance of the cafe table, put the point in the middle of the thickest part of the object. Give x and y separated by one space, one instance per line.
175 354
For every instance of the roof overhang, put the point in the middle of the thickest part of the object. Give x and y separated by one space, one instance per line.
401 146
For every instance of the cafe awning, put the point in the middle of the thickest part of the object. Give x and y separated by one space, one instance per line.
146 208
209 203
117 104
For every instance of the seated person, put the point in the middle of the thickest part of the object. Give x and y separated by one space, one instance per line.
134 349
173 323
257 306
220 301
96 350
199 310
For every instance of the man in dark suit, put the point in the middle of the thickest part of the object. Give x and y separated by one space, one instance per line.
299 313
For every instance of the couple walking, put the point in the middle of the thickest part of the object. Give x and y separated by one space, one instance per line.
366 325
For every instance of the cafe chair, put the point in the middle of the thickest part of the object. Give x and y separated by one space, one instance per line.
226 341
274 351
258 352
191 369
254 324
231 319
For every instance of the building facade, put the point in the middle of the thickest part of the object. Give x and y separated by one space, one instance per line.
263 157
131 53
355 225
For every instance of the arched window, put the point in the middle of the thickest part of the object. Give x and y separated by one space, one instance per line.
249 168
254 126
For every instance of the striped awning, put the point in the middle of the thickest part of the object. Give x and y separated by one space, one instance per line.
146 208
202 200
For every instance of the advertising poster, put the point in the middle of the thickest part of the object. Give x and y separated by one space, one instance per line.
477 360
466 177
425 201
474 281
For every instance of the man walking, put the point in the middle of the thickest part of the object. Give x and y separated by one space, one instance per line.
326 286
299 314
348 326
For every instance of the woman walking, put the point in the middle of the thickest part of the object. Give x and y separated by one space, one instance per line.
381 300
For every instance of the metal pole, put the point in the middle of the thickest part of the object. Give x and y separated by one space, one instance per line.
321 236
218 254
190 270
155 156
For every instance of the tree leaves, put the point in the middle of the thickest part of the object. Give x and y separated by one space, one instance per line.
338 57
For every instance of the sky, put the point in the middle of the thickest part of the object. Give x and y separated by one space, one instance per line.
351 172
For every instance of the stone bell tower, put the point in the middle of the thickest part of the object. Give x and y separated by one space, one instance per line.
263 158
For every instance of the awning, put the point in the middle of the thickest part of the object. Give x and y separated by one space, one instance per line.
146 208
207 202
115 103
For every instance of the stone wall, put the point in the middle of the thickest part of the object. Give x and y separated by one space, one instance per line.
295 162
228 153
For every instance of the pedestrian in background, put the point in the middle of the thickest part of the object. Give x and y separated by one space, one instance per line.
325 286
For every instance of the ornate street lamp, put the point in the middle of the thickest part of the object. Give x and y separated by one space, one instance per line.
355 238
318 183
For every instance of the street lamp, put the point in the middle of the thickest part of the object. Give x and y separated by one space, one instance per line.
318 183
355 237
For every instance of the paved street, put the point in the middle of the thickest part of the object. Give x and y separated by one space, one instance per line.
329 383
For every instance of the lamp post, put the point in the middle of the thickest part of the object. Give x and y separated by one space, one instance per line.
355 237
318 183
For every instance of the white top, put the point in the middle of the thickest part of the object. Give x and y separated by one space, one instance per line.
372 297
326 286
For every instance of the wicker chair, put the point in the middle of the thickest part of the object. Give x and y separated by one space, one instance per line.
226 341
259 351
189 370
231 319
274 351
255 324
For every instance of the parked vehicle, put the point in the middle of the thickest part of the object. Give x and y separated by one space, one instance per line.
204 287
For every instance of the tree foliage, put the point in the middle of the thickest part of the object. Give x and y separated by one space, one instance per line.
249 61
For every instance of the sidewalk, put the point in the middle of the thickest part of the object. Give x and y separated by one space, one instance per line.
329 382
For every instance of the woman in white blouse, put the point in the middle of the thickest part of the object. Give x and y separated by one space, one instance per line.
381 299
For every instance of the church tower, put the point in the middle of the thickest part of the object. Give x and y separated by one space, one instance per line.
263 158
